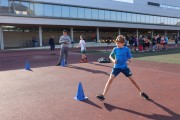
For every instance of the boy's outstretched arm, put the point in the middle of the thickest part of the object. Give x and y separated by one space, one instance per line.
112 59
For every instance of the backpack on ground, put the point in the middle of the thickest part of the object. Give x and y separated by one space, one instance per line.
104 60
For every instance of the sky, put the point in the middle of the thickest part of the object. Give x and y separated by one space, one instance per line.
129 1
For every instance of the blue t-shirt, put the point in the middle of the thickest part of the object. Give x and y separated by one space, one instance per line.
121 55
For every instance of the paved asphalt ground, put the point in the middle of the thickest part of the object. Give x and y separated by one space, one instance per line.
47 92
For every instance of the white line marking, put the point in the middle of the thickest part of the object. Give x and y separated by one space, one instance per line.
156 70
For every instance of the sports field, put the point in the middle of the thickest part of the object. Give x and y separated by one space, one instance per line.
165 56
47 91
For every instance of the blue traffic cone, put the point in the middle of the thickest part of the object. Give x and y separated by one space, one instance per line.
63 63
80 93
27 66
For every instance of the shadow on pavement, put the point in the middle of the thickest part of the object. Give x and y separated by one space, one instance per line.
91 103
173 115
102 64
30 70
89 70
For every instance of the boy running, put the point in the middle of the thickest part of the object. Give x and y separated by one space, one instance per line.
121 57
82 44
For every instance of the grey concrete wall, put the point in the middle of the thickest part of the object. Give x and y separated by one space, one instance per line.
44 21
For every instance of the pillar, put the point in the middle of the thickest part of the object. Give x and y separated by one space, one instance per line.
71 34
1 38
40 36
137 33
152 33
119 31
97 35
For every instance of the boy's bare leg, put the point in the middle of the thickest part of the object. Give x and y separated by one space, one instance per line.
144 95
136 85
108 84
84 56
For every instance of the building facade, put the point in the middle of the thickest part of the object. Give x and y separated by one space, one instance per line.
20 20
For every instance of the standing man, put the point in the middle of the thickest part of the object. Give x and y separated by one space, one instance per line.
52 45
64 42
33 41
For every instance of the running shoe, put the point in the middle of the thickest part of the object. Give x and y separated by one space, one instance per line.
144 95
100 97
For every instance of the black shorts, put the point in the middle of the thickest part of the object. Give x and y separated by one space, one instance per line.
126 71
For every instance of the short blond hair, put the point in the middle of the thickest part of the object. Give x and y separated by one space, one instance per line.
120 39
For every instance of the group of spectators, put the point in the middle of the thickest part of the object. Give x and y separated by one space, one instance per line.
144 43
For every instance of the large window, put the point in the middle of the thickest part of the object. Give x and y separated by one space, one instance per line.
88 13
3 2
119 18
113 15
73 12
155 19
107 15
175 21
124 16
94 14
65 11
151 19
170 7
129 17
32 8
38 9
178 22
172 21
165 20
162 20
134 18
81 12
48 10
22 8
158 20
101 14
147 19
25 4
57 10
138 18
143 18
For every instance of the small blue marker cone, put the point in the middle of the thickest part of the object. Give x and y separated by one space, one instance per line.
80 93
27 66
63 63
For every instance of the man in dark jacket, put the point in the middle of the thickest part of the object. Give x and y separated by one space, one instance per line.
52 45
